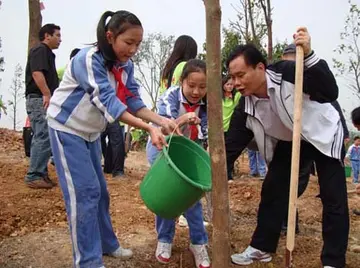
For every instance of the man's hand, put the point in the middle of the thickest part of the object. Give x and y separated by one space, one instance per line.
40 81
302 38
46 101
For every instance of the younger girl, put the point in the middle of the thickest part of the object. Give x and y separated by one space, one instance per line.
230 100
185 49
185 104
98 87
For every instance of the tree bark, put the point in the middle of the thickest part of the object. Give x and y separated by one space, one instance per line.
35 20
268 19
252 24
220 199
269 26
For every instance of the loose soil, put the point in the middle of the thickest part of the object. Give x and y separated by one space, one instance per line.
34 233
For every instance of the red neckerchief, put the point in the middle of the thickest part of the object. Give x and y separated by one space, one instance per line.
122 91
193 128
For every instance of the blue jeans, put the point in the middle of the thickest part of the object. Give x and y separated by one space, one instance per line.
78 165
355 165
40 150
257 163
166 228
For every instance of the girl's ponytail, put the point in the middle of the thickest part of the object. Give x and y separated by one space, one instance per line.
102 42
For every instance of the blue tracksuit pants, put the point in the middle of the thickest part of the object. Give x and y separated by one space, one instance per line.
78 166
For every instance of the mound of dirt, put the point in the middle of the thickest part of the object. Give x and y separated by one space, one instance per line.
10 140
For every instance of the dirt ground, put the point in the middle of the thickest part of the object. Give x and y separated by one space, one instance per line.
33 227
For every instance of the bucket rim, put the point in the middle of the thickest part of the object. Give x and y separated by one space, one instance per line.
205 188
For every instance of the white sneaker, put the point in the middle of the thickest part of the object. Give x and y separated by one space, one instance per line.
249 255
122 253
163 252
183 221
201 256
329 267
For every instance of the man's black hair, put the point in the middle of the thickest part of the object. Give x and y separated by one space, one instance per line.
251 54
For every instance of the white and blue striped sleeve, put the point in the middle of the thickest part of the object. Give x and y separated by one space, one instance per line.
90 72
168 105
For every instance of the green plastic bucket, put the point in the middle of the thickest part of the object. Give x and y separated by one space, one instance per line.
178 178
347 172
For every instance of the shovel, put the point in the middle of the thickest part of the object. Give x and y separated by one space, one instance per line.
295 156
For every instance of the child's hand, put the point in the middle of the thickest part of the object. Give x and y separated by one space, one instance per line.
168 126
157 138
188 118
193 119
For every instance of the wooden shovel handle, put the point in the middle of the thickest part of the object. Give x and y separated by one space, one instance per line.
295 156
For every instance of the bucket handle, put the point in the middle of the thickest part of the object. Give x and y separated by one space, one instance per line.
171 136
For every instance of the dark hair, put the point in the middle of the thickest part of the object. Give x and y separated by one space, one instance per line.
224 81
252 55
185 48
120 22
192 66
49 28
356 138
74 52
355 116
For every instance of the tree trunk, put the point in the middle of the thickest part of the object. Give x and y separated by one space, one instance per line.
266 7
269 28
15 111
14 117
252 24
35 20
221 250
247 35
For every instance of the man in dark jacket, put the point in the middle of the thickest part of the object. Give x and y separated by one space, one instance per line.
265 113
289 53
